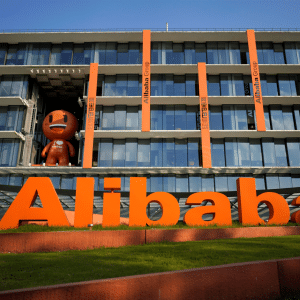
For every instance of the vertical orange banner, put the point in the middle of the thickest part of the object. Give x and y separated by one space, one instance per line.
146 80
90 117
204 116
259 108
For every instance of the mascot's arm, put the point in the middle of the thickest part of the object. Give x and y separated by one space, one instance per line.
71 149
46 149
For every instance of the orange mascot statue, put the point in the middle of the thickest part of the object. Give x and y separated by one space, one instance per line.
59 126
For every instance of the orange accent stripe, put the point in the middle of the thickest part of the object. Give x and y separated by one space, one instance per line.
84 202
204 115
146 80
258 102
90 117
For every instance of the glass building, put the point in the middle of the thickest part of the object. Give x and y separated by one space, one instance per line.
41 72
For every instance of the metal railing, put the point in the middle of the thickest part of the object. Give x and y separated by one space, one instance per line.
141 29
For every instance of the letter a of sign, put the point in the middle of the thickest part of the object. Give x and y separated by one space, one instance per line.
21 208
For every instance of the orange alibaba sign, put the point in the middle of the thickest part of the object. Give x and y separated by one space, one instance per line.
21 208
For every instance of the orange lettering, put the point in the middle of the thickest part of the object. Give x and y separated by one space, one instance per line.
84 202
248 202
220 209
21 208
295 217
139 202
111 202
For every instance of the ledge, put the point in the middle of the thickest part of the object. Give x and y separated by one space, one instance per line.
6 101
11 135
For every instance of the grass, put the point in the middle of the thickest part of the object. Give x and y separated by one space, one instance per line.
39 269
179 225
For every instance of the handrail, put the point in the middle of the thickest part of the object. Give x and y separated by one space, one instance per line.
141 29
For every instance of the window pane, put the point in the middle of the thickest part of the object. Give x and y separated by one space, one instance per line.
293 152
221 184
290 53
276 117
182 184
21 54
238 85
200 53
223 53
217 153
272 182
119 153
226 85
280 152
11 55
285 181
268 152
180 117
178 54
193 152
108 119
156 85
215 118
131 153
169 184
3 116
228 117
278 54
255 152
111 53
156 183
268 53
66 54
284 85
179 85
244 152
168 85
195 184
100 53
241 117
288 118
168 117
168 153
44 54
191 112
110 85
272 85
156 117
78 55
5 87
213 85
190 89
122 50
121 85
189 53
156 53
144 153
55 55
133 85
234 53
156 152
212 53
267 118
231 150
132 121
208 184
181 152
120 117
105 151
3 50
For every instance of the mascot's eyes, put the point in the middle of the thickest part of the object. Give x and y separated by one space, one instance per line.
65 118
50 119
